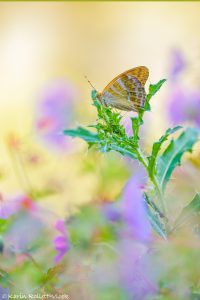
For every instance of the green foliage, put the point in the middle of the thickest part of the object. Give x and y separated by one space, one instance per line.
52 273
189 211
153 89
93 228
83 133
5 278
171 157
156 148
3 225
155 217
110 135
138 121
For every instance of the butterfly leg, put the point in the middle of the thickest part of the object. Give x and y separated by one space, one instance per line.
103 101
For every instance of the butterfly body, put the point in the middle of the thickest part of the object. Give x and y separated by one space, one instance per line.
126 91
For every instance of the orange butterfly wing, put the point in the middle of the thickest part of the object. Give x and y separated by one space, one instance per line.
126 91
141 73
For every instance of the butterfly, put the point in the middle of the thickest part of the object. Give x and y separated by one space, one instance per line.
126 91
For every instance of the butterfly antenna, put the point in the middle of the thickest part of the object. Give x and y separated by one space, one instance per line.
89 82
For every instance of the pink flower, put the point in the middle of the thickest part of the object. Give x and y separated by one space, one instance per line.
54 113
61 242
11 205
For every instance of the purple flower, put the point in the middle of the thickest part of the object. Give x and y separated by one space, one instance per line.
54 113
11 205
126 122
177 64
133 209
61 242
111 211
184 106
137 270
8 207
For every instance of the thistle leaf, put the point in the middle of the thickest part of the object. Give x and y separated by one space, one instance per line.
82 133
155 219
136 123
123 151
156 148
189 211
153 89
171 157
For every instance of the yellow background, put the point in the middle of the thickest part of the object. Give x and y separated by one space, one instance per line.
43 41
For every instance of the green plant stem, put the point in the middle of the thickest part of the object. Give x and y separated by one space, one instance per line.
159 193
143 160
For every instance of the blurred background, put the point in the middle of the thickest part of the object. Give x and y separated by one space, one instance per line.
43 44
46 50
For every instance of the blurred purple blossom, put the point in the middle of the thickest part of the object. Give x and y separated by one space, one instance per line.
110 211
61 242
24 232
184 105
54 113
137 271
126 122
177 64
11 205
133 209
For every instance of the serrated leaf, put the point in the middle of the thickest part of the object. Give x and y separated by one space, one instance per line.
153 89
82 133
156 222
136 123
189 211
156 148
171 157
123 151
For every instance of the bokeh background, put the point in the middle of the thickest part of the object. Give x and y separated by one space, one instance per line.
46 50
41 43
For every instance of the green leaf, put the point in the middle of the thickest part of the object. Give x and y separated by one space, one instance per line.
171 157
153 89
110 133
189 211
82 133
123 151
136 123
52 273
5 278
3 225
154 218
156 148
